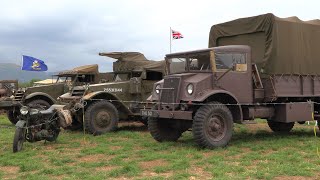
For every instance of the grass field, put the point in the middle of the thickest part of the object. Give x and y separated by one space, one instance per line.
131 153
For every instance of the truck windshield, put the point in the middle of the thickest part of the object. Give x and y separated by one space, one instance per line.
195 61
177 65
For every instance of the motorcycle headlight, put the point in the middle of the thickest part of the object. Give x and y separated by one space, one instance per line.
24 110
190 89
158 88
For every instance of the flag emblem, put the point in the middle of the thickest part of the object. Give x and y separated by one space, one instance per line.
176 35
33 64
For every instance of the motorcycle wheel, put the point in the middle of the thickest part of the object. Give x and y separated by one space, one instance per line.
54 136
19 138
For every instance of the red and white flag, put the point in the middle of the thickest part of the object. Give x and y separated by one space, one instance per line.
176 34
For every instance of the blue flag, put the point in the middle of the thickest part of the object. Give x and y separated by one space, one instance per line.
32 64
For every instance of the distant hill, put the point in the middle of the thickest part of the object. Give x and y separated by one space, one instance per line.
13 71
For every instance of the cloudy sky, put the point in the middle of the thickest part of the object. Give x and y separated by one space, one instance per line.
70 33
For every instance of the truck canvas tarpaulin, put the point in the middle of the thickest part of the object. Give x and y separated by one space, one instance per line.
134 61
278 45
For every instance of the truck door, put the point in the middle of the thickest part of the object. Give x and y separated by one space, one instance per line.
233 74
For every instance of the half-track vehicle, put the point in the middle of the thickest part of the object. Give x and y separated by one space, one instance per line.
43 96
7 87
255 67
99 107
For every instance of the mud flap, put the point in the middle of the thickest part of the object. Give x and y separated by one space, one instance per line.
20 124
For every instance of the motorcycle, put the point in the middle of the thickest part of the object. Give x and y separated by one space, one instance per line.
36 125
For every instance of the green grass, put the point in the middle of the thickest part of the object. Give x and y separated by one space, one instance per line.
253 153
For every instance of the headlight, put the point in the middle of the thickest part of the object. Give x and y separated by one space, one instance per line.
158 88
24 110
190 89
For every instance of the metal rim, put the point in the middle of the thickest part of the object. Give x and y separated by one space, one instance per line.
216 127
102 119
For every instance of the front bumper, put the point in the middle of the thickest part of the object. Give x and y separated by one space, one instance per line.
185 115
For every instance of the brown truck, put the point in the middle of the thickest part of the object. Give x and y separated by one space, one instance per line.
257 67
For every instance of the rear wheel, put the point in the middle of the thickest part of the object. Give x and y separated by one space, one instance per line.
19 138
54 135
212 126
101 117
280 126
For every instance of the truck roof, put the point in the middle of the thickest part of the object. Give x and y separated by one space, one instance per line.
133 61
86 69
278 45
220 48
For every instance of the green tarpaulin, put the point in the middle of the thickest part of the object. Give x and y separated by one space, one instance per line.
134 61
278 45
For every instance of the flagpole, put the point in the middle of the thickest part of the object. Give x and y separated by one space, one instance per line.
170 38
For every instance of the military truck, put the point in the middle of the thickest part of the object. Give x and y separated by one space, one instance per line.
257 67
101 106
7 87
44 96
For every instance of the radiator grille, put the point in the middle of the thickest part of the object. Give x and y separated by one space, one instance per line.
170 95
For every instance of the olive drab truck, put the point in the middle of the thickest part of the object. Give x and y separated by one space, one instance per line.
256 67
7 87
101 106
43 96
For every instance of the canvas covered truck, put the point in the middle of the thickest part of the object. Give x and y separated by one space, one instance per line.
44 96
99 107
256 67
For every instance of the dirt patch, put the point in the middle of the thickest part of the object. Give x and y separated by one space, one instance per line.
10 169
293 178
166 175
94 158
199 173
11 172
58 177
154 163
114 148
106 168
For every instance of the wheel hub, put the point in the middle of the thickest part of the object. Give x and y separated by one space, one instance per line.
103 119
215 128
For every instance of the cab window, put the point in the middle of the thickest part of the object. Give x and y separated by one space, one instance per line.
229 60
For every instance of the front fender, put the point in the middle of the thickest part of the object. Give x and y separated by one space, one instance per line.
208 94
98 93
21 124
40 94
224 97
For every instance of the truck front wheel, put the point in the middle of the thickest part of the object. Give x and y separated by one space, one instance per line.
280 126
163 129
101 117
212 125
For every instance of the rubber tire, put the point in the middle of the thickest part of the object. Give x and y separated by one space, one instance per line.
280 127
34 103
202 116
18 136
13 116
54 138
144 121
161 131
90 125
